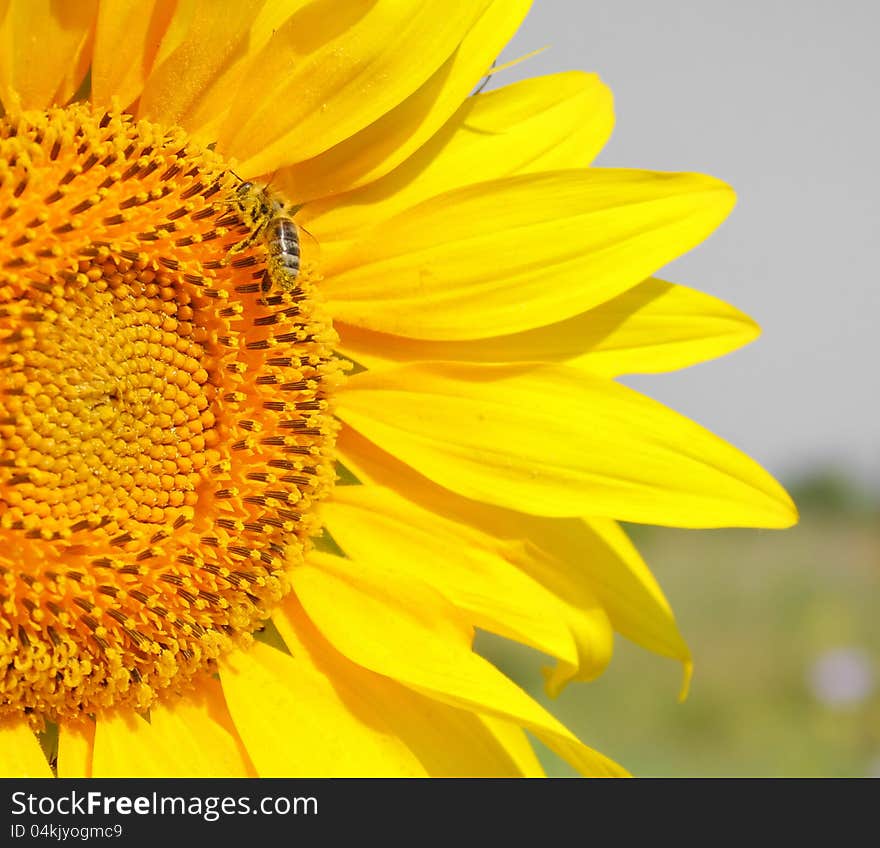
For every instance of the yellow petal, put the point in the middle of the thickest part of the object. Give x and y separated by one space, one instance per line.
620 578
76 744
517 744
554 441
578 561
138 24
485 576
447 741
384 144
543 124
20 752
505 256
188 737
298 722
325 75
404 630
381 529
224 58
659 326
655 326
209 111
203 39
44 50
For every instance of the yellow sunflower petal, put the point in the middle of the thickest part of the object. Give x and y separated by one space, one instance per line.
381 529
297 723
76 744
380 147
543 124
503 533
208 37
402 629
189 737
324 76
517 744
138 24
655 326
578 561
208 112
43 50
554 441
620 578
22 755
464 264
658 326
449 742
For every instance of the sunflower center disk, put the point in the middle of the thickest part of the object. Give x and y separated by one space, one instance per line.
165 429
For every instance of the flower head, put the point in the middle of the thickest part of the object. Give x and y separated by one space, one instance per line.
200 238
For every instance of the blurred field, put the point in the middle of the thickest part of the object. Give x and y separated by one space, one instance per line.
785 632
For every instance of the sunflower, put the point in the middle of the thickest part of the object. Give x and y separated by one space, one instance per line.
252 513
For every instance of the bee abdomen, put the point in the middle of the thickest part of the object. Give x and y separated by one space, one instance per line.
283 244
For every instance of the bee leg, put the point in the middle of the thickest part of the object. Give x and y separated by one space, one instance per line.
246 242
257 231
266 284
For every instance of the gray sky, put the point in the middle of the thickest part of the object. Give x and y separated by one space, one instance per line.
781 100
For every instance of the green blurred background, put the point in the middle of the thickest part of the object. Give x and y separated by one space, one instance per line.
785 635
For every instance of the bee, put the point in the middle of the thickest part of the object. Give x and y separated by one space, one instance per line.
269 219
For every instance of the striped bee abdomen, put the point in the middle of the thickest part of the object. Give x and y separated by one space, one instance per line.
282 243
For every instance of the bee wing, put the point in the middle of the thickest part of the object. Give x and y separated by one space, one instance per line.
309 246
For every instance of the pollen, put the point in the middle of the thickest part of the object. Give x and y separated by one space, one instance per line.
166 423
